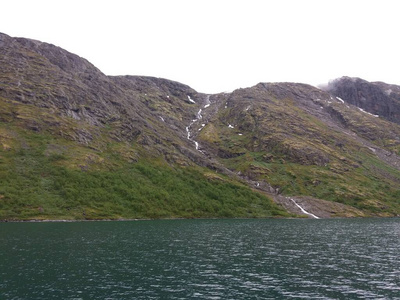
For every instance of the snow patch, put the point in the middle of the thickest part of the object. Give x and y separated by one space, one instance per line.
207 105
230 126
240 133
162 119
190 99
340 99
248 107
376 116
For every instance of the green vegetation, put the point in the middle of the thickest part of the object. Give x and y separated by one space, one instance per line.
372 187
299 155
41 184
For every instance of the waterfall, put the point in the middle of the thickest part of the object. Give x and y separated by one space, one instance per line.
303 210
198 117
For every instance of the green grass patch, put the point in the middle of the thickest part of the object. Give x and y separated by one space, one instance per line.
40 182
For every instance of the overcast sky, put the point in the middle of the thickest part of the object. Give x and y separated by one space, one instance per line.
220 45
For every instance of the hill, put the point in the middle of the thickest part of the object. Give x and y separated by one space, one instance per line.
77 144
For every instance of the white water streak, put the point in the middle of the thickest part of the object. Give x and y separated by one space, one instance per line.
208 100
190 99
188 133
304 211
198 117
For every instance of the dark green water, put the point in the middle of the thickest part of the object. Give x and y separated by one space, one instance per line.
201 259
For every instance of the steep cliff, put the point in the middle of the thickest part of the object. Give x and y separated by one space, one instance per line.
378 98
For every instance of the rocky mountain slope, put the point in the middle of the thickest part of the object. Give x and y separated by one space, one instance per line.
77 144
377 98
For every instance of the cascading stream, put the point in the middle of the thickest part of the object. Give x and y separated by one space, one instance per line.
198 117
303 210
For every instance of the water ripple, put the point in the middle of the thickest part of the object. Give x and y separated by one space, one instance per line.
202 259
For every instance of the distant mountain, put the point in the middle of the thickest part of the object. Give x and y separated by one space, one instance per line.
378 98
77 144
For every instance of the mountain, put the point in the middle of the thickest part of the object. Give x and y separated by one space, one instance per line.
377 98
77 144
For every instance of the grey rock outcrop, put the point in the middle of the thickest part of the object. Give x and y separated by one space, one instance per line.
377 98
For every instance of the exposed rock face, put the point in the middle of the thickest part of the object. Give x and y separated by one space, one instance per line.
66 85
377 98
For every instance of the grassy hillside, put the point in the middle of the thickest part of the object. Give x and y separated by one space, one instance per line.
299 148
47 177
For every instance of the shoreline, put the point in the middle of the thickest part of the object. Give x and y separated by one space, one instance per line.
71 221
173 219
146 219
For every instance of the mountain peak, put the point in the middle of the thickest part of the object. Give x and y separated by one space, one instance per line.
374 97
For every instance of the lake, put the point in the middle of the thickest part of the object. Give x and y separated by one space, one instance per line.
202 259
